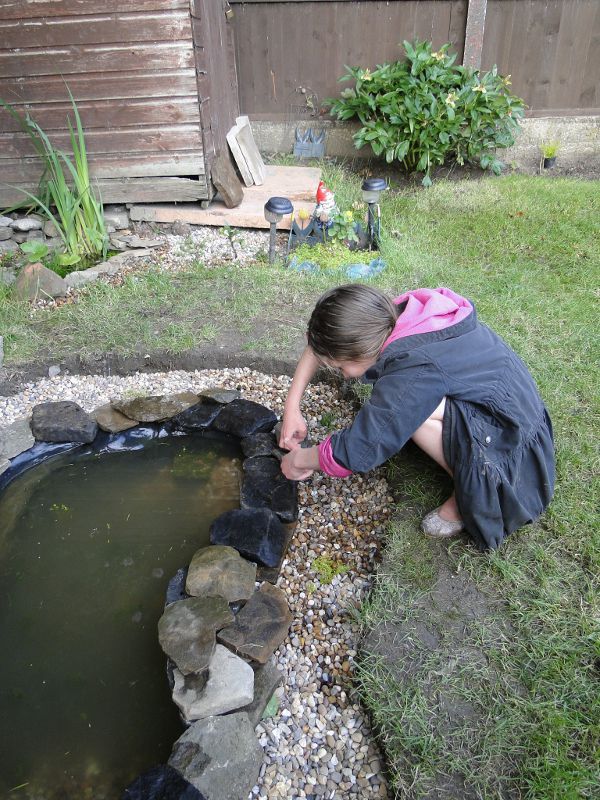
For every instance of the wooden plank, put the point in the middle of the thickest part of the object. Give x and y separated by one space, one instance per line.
29 9
474 33
109 114
98 28
96 58
99 86
28 170
165 139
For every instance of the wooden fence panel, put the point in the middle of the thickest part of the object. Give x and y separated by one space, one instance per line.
551 48
282 46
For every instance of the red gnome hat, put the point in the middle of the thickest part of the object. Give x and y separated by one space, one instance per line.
323 193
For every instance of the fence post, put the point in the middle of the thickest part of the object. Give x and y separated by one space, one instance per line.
474 33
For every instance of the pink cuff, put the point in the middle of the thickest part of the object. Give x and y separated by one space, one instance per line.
328 463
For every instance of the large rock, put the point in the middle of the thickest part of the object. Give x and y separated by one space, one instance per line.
260 444
155 408
221 570
230 686
226 181
37 282
186 631
265 485
260 626
15 439
220 756
245 417
266 679
258 534
111 420
63 421
161 783
198 417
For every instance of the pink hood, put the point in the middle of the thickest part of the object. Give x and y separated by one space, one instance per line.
428 310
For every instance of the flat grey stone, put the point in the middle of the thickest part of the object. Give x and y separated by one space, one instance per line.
79 278
266 679
186 631
111 420
53 371
220 570
230 686
7 276
15 439
5 233
107 267
261 626
63 421
220 756
218 394
50 229
35 236
118 219
117 244
5 222
9 246
257 533
36 281
245 417
226 181
31 223
155 408
138 241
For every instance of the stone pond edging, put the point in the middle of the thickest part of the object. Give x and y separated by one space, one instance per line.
218 629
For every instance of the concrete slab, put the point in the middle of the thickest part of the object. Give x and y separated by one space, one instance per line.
297 183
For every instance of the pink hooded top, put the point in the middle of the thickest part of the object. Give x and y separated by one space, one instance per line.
426 310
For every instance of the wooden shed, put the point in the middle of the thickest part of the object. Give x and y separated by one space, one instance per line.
154 81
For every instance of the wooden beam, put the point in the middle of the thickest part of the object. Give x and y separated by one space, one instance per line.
474 33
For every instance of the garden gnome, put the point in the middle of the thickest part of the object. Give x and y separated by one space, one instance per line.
326 207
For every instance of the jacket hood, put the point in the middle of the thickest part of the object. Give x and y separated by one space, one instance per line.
428 310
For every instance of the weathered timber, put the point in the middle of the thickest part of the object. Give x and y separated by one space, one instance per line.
16 9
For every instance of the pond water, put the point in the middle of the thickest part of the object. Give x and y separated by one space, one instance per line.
88 544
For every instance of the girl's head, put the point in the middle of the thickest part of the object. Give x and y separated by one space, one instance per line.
350 324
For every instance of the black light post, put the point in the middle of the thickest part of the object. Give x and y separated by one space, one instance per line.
275 209
371 189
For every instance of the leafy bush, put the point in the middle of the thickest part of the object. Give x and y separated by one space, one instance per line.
65 187
425 110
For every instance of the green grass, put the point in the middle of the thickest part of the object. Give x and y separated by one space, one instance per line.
525 249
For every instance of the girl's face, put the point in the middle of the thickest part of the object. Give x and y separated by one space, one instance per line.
351 369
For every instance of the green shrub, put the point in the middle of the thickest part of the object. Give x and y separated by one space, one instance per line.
426 110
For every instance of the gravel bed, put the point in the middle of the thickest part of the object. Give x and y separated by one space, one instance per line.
319 743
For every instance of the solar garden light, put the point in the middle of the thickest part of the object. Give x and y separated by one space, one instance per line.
371 189
275 209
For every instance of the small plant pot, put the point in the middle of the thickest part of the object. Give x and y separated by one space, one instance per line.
549 162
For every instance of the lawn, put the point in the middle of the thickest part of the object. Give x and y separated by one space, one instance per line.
526 250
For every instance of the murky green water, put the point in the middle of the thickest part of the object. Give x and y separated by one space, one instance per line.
87 547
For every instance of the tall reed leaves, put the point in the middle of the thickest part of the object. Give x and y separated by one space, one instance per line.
65 195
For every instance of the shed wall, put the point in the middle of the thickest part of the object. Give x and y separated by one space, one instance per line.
131 68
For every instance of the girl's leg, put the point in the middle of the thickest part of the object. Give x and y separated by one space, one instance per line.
429 438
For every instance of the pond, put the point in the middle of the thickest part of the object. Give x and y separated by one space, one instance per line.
88 543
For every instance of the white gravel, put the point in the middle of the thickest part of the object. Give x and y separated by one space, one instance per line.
319 743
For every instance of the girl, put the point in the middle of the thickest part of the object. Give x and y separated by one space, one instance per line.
442 378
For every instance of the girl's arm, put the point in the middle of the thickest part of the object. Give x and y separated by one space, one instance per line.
293 427
300 463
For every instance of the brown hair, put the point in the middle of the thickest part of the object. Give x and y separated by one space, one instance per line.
351 322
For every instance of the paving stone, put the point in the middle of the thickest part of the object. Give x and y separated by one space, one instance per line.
111 420
257 534
230 685
260 626
155 408
186 631
15 439
220 756
244 417
63 421
221 570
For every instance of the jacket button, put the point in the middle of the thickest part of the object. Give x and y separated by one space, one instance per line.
488 439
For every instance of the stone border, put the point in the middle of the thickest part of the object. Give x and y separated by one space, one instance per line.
57 427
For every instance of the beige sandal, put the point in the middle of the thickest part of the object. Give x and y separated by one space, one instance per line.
438 528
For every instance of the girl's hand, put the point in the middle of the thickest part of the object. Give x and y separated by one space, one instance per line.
300 463
293 430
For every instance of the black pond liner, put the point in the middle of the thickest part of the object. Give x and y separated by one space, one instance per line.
150 783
